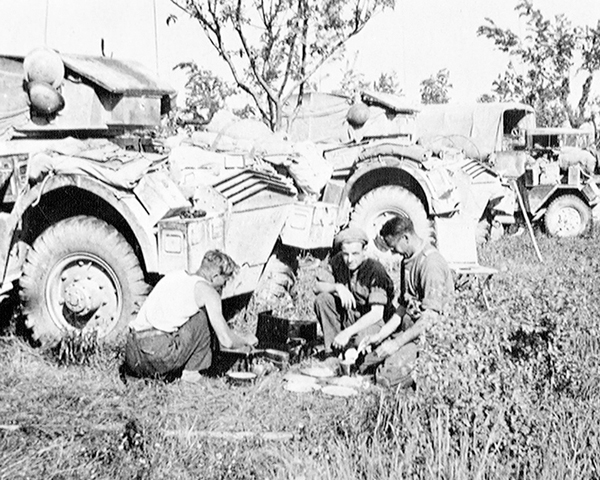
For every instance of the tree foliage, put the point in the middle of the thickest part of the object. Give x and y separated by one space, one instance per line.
435 89
547 54
206 93
387 82
273 47
354 82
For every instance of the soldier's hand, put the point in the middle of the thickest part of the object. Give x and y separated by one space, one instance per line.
387 348
366 342
345 296
250 339
341 340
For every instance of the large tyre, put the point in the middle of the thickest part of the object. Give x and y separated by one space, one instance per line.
567 216
380 204
81 275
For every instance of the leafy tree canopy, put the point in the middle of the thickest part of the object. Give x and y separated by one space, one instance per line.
436 88
354 82
272 47
545 61
206 93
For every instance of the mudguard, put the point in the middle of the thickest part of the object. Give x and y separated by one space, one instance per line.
124 202
404 165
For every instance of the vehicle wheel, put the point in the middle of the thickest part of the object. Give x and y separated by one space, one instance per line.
81 275
380 204
567 216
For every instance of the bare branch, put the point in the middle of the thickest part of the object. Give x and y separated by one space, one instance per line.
289 50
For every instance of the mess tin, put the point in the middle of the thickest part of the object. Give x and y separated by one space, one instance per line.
241 378
347 367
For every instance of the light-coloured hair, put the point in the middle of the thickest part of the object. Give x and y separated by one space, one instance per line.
219 262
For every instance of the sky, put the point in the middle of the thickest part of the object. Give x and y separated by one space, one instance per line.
416 39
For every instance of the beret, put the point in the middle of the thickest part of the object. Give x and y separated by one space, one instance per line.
350 235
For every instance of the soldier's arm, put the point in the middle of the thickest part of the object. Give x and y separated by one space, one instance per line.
427 320
208 297
436 294
368 319
435 285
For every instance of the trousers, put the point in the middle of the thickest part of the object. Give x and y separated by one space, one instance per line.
333 318
157 354
394 370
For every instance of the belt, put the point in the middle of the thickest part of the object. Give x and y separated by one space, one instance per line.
151 332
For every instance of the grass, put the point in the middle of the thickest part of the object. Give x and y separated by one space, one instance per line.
77 421
509 392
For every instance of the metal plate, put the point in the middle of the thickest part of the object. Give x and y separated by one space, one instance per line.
338 391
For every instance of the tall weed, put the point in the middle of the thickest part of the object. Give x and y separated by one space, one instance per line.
506 392
509 392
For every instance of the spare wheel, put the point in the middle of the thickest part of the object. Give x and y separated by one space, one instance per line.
382 203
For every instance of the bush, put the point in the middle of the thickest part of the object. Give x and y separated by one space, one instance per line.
509 392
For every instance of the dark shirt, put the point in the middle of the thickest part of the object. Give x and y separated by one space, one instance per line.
426 282
369 283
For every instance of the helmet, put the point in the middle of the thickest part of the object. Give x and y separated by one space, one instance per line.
45 99
358 114
44 65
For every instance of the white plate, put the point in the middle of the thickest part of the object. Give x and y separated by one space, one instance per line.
299 378
301 387
338 391
241 375
318 372
350 382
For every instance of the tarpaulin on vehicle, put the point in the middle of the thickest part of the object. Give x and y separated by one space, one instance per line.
321 118
99 93
476 129
14 106
227 137
99 159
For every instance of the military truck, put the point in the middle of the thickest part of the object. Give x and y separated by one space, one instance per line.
87 225
553 168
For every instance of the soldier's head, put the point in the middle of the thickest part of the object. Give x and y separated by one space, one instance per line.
398 235
217 267
352 242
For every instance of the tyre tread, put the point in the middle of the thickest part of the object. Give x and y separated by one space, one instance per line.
382 195
48 245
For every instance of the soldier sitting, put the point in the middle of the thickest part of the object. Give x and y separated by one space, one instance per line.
426 290
354 294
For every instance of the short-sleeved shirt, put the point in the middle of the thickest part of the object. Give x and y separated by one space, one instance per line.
369 283
426 283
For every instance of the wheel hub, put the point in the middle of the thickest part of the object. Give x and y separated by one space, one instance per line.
378 221
83 293
569 221
82 297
